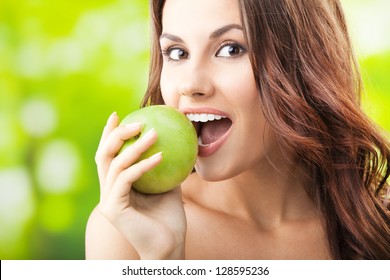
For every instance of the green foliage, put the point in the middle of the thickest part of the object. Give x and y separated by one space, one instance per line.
64 67
376 100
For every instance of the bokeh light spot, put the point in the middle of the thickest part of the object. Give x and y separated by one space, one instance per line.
369 25
58 166
65 56
16 201
30 61
38 117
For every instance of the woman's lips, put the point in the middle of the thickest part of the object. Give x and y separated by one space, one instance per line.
209 149
202 117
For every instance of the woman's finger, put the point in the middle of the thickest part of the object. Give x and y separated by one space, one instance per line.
122 185
112 122
111 146
128 157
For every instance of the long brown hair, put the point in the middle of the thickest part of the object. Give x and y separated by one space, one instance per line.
309 82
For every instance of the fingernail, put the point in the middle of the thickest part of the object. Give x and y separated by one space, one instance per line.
156 156
149 133
114 114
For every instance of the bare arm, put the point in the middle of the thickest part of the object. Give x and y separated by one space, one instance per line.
104 241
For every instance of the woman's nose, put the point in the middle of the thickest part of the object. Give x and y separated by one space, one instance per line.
196 82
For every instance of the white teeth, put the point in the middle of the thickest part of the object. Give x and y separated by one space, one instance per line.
204 117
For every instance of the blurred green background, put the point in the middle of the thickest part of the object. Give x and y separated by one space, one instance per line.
65 65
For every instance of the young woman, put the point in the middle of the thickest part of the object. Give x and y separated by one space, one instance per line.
293 170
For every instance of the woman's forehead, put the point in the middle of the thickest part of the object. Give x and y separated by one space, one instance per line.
200 14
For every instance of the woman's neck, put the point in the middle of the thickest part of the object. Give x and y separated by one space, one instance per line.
267 195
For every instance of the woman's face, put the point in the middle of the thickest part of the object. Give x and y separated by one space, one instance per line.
207 75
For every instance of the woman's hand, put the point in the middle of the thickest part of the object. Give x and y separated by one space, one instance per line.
154 225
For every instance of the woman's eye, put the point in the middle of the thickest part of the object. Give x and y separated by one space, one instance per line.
176 54
230 50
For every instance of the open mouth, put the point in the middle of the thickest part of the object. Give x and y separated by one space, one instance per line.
212 130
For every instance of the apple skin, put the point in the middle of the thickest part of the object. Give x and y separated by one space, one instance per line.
176 138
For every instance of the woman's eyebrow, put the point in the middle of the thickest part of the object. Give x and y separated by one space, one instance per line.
215 34
171 37
222 30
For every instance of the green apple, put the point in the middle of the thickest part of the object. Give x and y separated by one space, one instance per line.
177 139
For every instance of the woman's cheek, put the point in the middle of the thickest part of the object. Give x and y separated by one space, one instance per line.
166 91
